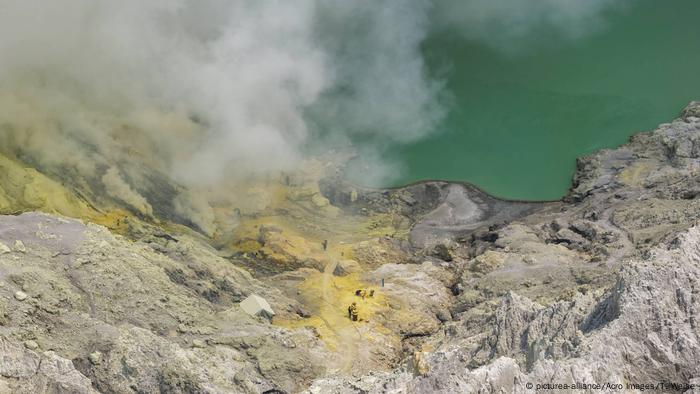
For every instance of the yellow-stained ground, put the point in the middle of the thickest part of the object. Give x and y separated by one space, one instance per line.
294 227
635 174
301 219
294 220
329 297
26 189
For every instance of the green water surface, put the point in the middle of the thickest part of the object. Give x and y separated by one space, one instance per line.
517 121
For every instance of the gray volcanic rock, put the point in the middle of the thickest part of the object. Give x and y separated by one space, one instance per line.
425 288
25 371
643 331
461 210
440 211
662 161
600 288
142 305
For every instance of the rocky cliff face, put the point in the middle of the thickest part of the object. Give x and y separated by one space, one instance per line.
478 294
642 330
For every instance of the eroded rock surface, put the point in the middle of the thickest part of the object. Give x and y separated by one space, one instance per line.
163 315
642 330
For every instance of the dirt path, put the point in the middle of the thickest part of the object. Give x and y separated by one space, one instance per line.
348 335
627 245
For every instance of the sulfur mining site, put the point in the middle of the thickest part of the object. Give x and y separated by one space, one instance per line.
349 197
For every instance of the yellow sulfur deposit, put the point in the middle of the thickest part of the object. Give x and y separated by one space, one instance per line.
284 222
25 189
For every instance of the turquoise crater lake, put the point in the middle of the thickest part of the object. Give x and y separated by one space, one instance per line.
517 121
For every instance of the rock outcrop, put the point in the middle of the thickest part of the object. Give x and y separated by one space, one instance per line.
162 313
643 331
25 371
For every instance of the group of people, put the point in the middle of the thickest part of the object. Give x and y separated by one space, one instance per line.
364 293
352 309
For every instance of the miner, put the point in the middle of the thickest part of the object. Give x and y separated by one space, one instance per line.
352 311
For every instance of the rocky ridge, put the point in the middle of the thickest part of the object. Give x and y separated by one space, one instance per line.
642 331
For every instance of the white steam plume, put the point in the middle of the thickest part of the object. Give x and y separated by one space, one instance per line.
234 78
209 90
510 25
381 84
245 68
116 187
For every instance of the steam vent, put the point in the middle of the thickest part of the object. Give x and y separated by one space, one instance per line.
349 197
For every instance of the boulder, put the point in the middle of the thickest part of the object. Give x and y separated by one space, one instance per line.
20 295
255 305
345 267
19 247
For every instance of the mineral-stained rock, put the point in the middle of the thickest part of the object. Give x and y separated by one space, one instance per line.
95 357
487 262
344 267
119 298
643 330
424 291
374 253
